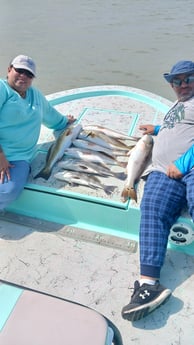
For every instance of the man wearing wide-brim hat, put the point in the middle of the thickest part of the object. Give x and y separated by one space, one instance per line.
169 188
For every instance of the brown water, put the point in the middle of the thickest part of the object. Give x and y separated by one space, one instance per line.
93 42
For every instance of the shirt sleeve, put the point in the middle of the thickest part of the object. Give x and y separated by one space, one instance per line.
4 93
156 129
186 162
51 118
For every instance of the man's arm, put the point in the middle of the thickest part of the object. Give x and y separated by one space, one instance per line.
186 162
4 166
182 165
149 129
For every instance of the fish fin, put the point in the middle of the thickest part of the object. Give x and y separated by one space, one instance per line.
130 151
129 192
109 155
93 134
68 130
89 134
44 173
72 184
96 179
121 153
90 185
122 164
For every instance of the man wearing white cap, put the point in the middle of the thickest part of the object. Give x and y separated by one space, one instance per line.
23 109
168 189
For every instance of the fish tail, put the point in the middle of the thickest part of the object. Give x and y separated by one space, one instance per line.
44 173
129 192
121 175
109 189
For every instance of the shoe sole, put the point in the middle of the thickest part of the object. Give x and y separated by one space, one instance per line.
143 310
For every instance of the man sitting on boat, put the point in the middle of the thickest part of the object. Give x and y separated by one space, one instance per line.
169 188
23 109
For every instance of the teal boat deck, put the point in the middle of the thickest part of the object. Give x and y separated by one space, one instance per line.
82 244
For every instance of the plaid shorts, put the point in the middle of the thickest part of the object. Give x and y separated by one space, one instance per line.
161 205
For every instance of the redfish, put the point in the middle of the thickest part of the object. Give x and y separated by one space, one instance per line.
138 159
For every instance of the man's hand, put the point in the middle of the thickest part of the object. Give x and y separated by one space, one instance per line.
4 168
173 172
147 129
70 119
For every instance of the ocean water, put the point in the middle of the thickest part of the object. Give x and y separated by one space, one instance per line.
94 42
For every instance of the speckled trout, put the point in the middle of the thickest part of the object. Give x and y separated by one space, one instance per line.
138 159
110 132
95 157
79 165
84 144
103 140
74 178
56 150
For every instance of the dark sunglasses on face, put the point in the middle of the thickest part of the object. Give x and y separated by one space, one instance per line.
178 82
24 71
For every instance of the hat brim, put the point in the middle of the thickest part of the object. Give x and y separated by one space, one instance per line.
169 76
23 67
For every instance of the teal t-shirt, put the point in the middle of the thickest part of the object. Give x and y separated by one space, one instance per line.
21 119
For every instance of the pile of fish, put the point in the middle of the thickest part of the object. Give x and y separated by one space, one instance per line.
87 153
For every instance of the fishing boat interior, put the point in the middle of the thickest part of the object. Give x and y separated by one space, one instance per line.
84 214
95 212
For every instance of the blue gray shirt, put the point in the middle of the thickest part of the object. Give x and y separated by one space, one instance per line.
175 140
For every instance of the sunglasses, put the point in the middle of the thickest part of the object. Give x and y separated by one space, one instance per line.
24 71
178 82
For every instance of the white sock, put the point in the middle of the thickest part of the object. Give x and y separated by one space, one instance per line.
147 281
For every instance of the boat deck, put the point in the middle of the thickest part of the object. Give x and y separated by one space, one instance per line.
48 250
99 277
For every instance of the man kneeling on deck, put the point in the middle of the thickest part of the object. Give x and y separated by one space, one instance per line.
22 110
169 188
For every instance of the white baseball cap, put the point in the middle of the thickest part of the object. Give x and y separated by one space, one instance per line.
24 62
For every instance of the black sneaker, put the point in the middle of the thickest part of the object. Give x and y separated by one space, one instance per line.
145 299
